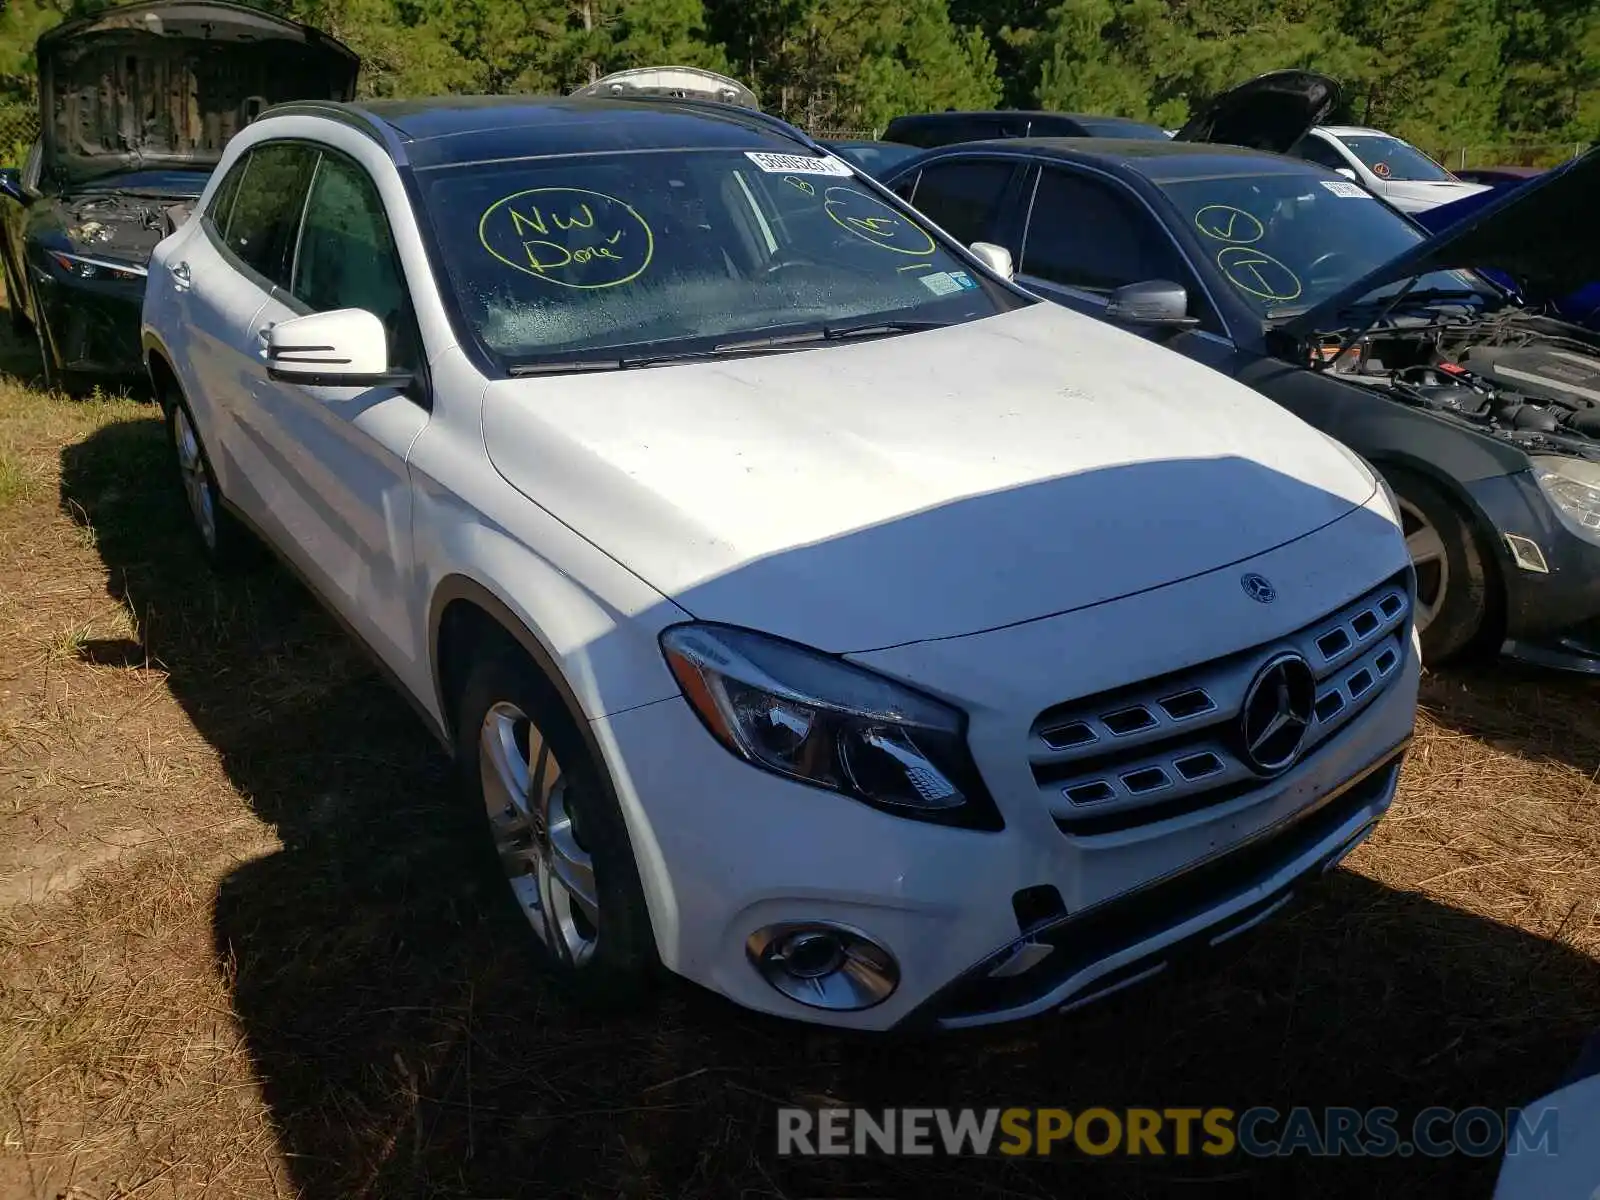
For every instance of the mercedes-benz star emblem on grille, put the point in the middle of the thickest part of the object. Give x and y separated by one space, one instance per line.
1259 587
1277 714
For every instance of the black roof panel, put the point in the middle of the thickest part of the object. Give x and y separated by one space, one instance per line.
1160 161
456 129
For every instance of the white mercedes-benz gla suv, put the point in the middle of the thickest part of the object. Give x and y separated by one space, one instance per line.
811 611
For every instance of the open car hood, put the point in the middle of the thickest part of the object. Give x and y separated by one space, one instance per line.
1541 233
166 84
1270 112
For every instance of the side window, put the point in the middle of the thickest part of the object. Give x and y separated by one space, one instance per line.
907 187
1084 235
346 256
964 197
1314 149
221 206
266 210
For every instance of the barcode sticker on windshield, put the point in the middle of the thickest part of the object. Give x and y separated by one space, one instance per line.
797 164
1350 191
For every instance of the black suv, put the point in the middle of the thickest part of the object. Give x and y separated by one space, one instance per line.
927 130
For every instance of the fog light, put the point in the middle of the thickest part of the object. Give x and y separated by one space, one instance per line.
822 965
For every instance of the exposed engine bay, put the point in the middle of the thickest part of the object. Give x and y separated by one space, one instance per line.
122 226
1531 380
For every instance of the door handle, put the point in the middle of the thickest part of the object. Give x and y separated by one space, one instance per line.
180 274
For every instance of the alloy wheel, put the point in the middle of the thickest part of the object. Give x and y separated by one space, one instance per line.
196 483
529 801
1429 558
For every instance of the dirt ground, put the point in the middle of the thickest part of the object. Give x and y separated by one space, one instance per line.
242 951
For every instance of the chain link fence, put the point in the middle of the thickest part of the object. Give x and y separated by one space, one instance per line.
824 134
19 125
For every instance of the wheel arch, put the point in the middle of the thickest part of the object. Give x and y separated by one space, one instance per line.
465 614
163 375
1492 548
462 614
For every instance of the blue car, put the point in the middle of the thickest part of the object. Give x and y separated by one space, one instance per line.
1581 307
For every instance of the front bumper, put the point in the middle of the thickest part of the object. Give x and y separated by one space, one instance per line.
93 324
726 850
1552 577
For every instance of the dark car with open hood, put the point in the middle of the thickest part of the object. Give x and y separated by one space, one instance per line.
136 104
1480 408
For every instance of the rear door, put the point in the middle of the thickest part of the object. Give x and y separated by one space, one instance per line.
1087 235
222 277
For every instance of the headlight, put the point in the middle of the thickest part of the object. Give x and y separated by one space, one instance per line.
814 718
1572 485
80 267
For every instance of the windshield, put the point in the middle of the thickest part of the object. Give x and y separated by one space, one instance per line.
1395 161
150 182
1288 241
683 250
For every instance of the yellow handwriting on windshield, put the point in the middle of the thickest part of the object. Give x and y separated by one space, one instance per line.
572 237
1229 224
1258 273
805 186
875 222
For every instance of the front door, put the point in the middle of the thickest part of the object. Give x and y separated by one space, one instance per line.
340 451
1085 237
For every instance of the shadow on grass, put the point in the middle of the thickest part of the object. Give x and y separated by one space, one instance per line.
1536 714
407 1047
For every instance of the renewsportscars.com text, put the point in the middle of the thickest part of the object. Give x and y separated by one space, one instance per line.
1215 1132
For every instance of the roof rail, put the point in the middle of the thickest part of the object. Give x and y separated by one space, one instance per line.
350 115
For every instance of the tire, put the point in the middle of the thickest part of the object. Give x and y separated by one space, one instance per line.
222 540
1456 597
563 849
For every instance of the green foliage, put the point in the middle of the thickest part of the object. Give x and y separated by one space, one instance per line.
1441 72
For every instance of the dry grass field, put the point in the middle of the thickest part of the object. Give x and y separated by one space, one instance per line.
242 952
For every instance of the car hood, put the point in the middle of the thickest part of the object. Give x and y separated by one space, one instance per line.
1540 233
167 84
924 485
1270 112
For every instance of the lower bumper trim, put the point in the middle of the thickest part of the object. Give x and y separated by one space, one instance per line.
1100 934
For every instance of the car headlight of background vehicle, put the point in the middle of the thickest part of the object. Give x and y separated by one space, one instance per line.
1572 485
814 718
79 266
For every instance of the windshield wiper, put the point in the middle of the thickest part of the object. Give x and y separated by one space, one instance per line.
776 342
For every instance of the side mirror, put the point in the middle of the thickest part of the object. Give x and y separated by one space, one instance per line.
996 258
343 348
1349 173
11 185
1155 303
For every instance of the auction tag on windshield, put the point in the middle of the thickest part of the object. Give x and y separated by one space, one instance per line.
798 164
1350 191
941 283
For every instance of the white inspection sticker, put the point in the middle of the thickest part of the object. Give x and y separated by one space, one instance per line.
1350 191
941 283
798 164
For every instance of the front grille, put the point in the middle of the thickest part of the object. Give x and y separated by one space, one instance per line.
1172 745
